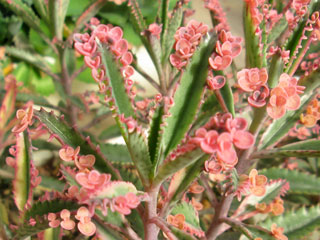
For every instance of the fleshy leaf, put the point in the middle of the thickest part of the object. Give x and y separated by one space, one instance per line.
116 82
227 96
31 58
57 13
41 9
154 136
187 97
110 132
115 189
138 149
117 153
73 138
253 58
170 30
25 12
191 217
300 182
8 103
296 223
21 182
277 29
169 168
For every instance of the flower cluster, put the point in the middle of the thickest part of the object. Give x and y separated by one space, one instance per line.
227 48
253 184
312 115
187 39
284 96
218 14
275 207
221 144
110 36
24 117
254 80
85 225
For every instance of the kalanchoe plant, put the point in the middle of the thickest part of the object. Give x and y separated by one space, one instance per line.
218 152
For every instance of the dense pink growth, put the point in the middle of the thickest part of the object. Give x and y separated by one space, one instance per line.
69 154
124 204
227 48
92 180
284 97
187 39
254 80
219 15
155 29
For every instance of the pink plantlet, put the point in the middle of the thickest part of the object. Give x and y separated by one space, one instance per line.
220 62
94 21
277 232
84 162
252 79
155 29
68 153
284 97
218 13
177 221
195 188
53 222
66 223
92 180
86 48
92 62
24 118
257 183
212 166
120 205
197 205
217 82
258 97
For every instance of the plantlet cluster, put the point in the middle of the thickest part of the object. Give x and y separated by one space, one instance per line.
218 152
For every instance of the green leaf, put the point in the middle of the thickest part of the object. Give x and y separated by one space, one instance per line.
115 189
37 211
191 173
41 9
169 168
300 182
116 153
308 148
52 183
25 12
105 232
31 58
77 7
21 182
72 138
57 14
278 29
281 127
110 132
116 82
296 223
43 85
137 18
187 97
227 96
52 234
253 58
191 216
90 12
129 175
169 32
154 136
138 149
52 206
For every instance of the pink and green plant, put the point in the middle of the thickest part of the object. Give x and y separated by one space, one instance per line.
219 152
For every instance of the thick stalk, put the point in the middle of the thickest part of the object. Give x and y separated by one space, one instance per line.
151 230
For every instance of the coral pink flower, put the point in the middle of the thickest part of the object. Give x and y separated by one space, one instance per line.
243 139
210 142
133 200
251 79
220 62
177 61
93 179
85 161
258 97
212 166
120 205
257 183
226 153
284 97
177 220
53 222
92 62
155 29
196 188
277 232
67 223
24 117
86 48
216 82
68 153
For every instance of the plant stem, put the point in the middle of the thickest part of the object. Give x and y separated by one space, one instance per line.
163 226
66 81
150 229
211 195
